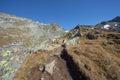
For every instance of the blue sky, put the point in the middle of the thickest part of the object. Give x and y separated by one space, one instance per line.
67 13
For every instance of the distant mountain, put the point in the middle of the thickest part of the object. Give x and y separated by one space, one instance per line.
116 19
112 25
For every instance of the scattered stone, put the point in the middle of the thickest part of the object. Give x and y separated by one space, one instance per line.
72 41
42 79
17 59
91 36
87 67
42 68
15 49
74 33
50 67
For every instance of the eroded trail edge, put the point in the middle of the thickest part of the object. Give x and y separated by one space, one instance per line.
72 67
59 66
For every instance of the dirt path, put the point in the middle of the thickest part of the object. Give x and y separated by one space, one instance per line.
58 67
72 67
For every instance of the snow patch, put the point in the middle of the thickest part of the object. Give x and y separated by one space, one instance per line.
116 24
92 27
67 31
106 26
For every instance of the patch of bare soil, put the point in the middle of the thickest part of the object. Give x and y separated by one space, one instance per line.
59 71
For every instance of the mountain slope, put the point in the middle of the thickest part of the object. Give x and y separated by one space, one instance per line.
19 37
35 51
83 59
112 25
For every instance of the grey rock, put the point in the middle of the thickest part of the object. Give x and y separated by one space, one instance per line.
50 67
22 36
42 79
42 68
91 36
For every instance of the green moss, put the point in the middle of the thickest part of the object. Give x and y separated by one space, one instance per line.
3 63
6 53
5 75
8 69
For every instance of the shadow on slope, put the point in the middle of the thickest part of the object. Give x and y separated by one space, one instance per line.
73 68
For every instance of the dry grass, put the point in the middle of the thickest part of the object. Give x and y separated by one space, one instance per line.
16 35
6 36
31 61
96 60
5 39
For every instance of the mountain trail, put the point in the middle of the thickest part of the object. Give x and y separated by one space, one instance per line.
60 66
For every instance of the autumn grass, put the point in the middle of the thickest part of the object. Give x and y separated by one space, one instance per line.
31 61
96 60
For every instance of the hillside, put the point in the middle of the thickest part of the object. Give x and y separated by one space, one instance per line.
36 51
20 37
93 55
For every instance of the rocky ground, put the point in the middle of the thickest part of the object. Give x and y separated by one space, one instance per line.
20 37
84 57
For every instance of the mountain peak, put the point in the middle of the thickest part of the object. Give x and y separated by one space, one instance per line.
116 19
112 25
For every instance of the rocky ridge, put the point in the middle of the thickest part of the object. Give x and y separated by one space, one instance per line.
112 25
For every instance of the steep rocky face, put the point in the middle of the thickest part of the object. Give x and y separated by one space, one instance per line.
20 36
112 25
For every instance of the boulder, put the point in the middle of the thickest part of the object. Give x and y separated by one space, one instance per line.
91 36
